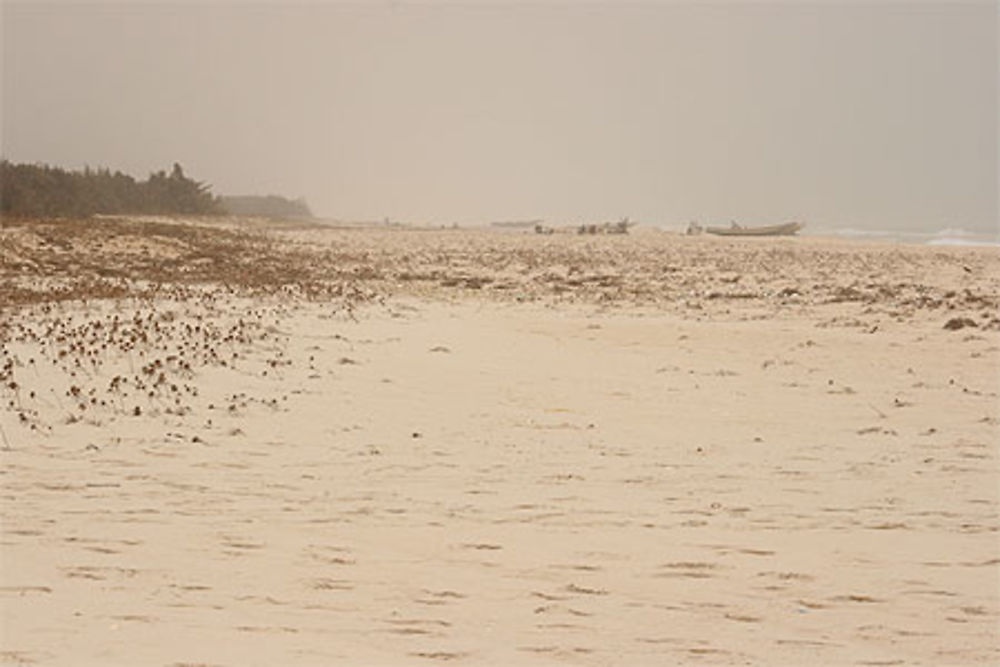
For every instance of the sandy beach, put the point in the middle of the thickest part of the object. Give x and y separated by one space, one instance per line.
243 444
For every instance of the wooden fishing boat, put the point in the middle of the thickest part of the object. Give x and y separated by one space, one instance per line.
786 229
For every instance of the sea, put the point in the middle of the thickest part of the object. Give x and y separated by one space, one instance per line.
951 236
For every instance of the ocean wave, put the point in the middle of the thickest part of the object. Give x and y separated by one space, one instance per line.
964 237
956 232
949 236
965 241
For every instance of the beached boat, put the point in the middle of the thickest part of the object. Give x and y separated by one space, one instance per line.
786 229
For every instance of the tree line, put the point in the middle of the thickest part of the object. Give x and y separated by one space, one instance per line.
270 206
38 190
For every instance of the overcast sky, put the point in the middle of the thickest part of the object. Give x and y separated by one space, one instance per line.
878 115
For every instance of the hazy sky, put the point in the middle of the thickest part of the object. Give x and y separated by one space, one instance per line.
867 115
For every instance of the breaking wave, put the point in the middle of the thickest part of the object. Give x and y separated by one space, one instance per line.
951 236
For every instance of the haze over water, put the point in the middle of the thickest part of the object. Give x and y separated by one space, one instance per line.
858 116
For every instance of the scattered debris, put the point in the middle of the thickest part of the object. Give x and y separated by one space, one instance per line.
957 323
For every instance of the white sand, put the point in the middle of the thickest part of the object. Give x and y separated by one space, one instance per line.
481 482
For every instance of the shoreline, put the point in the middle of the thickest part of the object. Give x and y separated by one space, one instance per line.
668 271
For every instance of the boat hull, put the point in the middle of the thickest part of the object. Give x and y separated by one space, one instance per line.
787 229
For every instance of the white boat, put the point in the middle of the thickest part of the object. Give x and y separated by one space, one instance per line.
786 229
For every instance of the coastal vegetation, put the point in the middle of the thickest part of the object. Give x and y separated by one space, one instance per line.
40 190
270 206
